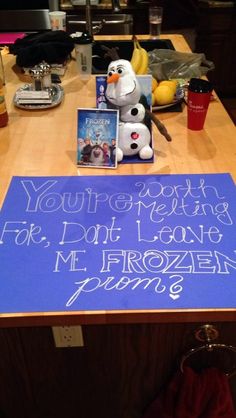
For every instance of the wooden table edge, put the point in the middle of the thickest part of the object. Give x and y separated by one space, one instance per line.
116 317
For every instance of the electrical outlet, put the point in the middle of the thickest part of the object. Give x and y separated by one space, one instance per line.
68 336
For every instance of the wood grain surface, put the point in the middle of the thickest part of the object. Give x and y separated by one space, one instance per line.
43 143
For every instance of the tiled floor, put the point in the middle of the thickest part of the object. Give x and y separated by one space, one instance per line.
230 106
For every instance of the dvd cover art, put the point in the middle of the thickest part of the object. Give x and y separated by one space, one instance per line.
97 137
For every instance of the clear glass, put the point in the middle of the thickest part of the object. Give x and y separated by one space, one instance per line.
83 54
155 21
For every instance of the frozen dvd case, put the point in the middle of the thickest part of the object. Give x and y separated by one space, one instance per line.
97 136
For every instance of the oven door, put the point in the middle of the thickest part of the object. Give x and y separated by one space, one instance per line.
26 15
24 20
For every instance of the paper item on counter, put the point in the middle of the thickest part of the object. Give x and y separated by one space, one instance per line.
33 96
10 38
106 243
97 138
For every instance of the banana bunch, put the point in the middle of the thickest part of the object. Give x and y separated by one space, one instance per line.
139 59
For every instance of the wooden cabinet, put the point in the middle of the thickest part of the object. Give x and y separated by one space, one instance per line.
216 37
116 374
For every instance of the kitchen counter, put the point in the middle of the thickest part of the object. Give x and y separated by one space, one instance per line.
43 143
29 144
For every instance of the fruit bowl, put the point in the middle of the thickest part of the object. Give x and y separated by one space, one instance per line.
179 96
124 49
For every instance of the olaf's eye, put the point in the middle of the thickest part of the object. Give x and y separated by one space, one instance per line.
110 73
120 71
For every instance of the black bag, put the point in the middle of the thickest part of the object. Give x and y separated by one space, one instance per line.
54 47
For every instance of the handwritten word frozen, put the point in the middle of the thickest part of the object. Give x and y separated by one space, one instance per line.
152 261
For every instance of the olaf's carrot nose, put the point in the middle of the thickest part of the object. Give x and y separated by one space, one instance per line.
113 78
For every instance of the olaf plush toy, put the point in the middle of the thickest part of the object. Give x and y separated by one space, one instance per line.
123 91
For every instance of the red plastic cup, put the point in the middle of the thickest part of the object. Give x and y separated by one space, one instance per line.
199 94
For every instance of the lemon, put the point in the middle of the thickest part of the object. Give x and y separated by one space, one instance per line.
170 83
154 84
153 99
164 95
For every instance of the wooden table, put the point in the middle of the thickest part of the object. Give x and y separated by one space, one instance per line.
43 143
122 366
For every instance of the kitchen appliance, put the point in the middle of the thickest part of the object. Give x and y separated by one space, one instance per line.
26 15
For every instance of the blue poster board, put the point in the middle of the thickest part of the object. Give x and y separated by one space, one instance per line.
118 242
